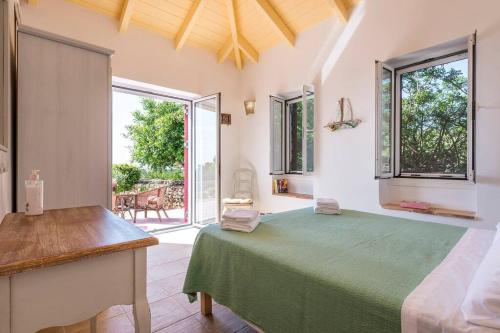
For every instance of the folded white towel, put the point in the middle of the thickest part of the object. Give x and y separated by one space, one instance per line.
326 206
329 203
327 211
247 226
240 215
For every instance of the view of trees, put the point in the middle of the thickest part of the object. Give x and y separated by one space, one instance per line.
157 134
434 119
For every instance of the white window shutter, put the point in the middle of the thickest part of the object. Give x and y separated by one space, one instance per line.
384 121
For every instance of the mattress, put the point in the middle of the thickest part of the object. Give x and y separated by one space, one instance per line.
305 272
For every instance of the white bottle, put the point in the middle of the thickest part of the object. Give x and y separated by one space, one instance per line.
34 194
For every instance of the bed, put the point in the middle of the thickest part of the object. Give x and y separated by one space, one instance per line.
356 272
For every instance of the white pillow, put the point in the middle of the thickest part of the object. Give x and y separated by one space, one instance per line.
481 305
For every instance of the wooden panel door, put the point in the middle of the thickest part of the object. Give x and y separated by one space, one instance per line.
64 122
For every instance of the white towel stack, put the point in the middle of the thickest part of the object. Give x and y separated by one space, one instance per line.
326 206
245 220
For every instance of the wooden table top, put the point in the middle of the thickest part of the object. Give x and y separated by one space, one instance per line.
64 235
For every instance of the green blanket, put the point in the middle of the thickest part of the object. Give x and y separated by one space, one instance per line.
305 272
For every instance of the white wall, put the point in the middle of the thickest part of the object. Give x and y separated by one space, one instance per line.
378 30
340 62
149 57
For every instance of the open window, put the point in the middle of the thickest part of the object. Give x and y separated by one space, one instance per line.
425 113
292 132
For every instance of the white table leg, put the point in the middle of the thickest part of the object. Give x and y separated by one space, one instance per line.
93 324
142 315
4 304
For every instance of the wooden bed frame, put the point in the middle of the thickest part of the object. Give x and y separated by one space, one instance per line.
205 303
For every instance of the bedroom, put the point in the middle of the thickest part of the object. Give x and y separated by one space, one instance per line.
335 60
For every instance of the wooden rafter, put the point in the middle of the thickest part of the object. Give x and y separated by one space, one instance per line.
277 21
127 10
248 49
341 8
186 26
225 50
233 25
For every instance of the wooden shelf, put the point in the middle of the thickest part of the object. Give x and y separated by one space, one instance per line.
464 214
295 195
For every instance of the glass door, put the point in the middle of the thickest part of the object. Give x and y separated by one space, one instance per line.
205 168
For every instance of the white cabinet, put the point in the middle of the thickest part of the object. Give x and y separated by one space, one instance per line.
64 119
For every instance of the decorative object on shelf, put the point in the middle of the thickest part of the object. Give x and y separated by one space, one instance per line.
280 185
249 107
351 123
225 118
415 205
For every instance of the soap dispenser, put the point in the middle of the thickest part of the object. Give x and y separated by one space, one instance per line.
34 194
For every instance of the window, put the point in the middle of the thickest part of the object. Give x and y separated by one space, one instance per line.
425 117
292 134
294 130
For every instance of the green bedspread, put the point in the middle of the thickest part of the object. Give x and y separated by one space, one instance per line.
305 272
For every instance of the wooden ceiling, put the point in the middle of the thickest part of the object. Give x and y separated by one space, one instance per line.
223 26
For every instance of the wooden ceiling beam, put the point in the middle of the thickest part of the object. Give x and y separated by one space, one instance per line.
341 8
188 23
225 50
248 49
127 10
277 21
233 25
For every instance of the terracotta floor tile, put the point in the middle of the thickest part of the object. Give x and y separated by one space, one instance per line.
117 324
182 299
166 270
173 284
156 292
164 312
222 320
188 325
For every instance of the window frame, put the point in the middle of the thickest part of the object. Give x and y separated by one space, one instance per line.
380 66
288 145
444 59
272 101
464 47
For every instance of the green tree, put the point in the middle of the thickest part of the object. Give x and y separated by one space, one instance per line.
125 176
434 120
157 134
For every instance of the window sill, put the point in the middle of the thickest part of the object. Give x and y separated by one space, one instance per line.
295 195
464 214
435 182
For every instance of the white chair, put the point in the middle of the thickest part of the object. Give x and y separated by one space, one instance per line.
242 197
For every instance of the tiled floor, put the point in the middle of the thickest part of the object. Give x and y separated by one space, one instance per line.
170 310
153 223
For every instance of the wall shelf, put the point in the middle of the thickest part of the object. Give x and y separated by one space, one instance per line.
295 195
464 214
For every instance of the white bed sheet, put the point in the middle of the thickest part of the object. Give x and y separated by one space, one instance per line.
434 306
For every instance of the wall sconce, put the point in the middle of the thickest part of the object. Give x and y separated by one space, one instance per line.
249 107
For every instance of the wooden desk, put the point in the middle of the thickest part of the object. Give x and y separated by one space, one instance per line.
68 265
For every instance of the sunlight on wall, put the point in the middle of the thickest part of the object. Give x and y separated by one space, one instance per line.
343 41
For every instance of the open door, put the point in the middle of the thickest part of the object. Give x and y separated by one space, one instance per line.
205 157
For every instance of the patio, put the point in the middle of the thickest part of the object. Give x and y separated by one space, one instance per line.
152 223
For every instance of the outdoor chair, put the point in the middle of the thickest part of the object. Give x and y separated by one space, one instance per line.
157 203
150 200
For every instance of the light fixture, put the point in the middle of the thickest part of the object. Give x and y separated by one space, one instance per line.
249 107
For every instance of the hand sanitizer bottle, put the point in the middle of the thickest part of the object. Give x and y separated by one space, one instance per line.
34 194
